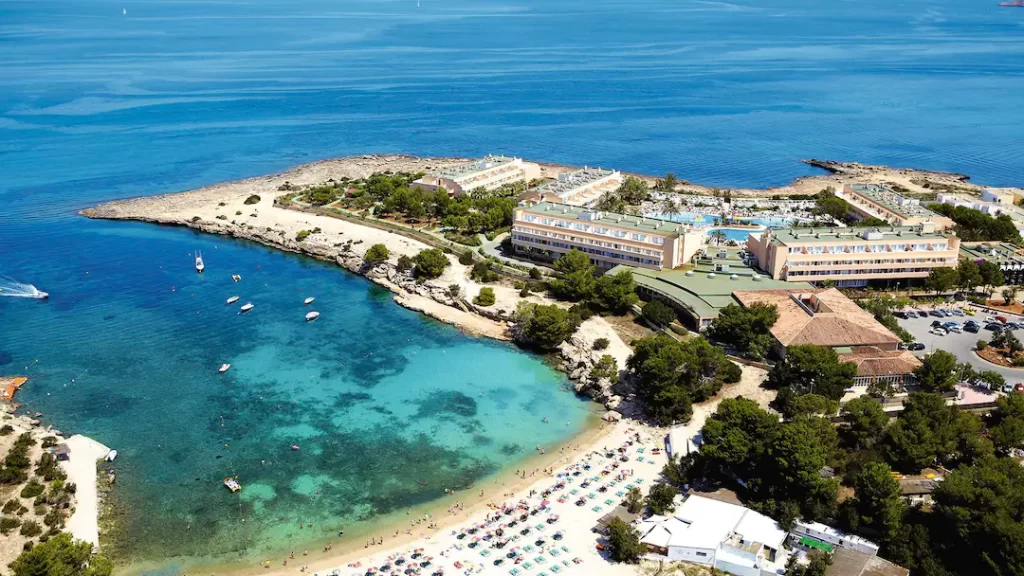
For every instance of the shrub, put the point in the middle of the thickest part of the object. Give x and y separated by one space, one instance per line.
624 542
31 528
302 235
466 258
252 199
524 292
486 297
606 367
454 290
6 430
981 345
601 344
430 263
658 313
238 212
32 489
535 274
376 254
482 272
11 506
7 524
405 263
196 219
49 442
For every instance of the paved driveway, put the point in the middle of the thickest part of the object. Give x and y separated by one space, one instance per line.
961 345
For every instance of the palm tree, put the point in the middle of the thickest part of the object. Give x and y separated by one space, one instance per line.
1010 294
669 207
718 237
668 183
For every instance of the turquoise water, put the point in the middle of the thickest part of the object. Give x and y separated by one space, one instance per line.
96 105
737 234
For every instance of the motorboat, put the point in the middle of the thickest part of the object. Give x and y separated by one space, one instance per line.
232 299
224 368
236 277
232 484
199 262
110 456
312 316
245 308
308 301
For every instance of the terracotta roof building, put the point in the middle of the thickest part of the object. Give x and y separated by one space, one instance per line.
825 317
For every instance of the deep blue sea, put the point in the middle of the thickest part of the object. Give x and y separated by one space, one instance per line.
96 104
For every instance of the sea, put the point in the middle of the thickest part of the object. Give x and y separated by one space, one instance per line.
386 409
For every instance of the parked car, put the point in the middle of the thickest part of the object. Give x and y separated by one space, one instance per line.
958 312
972 328
900 314
923 313
937 313
955 329
936 323
993 326
1007 388
1001 319
915 346
969 312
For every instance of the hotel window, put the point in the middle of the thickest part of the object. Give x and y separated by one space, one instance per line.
659 240
878 248
620 233
601 230
547 221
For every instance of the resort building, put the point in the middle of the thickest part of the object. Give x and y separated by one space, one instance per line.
488 173
991 203
854 256
878 201
700 291
725 536
1008 257
546 231
826 317
581 188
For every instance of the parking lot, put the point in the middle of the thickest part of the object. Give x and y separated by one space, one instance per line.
961 345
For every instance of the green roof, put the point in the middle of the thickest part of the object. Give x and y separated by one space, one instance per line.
1004 253
887 198
638 223
705 292
818 544
854 234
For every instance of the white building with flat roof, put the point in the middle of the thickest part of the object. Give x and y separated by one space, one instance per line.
829 535
580 188
991 203
713 533
488 173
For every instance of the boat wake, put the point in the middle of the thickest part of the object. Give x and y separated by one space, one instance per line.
14 289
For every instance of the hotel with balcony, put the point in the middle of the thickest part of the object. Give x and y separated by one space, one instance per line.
487 173
878 201
547 230
580 188
854 256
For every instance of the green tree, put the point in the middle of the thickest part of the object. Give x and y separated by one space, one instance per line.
605 367
616 293
736 438
543 326
624 542
405 263
968 275
61 556
486 297
658 313
928 432
864 421
430 263
634 500
668 183
376 254
872 221
817 565
1010 294
633 191
942 279
813 369
984 504
748 328
1008 428
577 281
939 372
991 275
976 226
833 207
660 499
878 501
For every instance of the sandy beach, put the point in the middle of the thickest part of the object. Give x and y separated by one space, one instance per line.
81 469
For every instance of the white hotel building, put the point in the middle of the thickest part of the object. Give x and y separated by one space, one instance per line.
488 173
580 188
547 230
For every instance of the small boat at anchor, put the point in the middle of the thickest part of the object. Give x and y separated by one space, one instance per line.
236 277
232 299
312 316
232 484
199 262
224 368
308 301
245 308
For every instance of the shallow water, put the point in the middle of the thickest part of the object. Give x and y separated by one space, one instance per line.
96 105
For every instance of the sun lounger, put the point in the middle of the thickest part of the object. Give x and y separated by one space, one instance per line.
540 559
556 568
514 572
620 493
554 551
528 565
565 549
597 508
609 502
639 458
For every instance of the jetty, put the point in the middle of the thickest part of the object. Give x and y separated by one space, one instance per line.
9 385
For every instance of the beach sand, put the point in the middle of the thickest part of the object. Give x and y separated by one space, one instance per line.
81 469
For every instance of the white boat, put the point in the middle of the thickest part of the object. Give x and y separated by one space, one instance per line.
245 308
224 368
308 301
232 484
312 316
110 456
199 262
233 299
236 277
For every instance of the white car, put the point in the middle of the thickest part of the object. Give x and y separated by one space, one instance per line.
938 331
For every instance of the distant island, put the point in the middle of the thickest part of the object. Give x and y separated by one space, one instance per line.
1013 4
